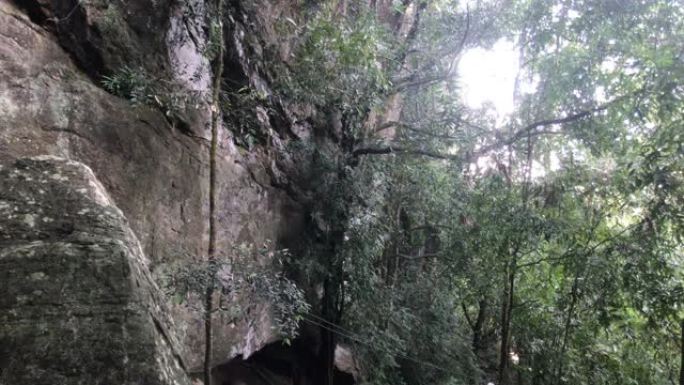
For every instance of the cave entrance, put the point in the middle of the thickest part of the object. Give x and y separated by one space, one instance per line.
278 364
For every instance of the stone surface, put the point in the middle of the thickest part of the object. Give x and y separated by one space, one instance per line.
103 35
79 305
155 174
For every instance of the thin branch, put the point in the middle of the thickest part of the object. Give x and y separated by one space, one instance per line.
464 38
58 20
421 256
430 227
412 80
409 82
412 128
390 149
571 252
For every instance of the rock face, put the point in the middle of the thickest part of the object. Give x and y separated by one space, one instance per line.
79 305
156 174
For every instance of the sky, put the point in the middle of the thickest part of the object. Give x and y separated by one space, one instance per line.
488 75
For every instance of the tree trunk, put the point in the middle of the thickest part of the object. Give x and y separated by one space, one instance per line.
478 333
566 331
479 325
503 352
333 300
206 369
506 312
331 312
211 252
681 368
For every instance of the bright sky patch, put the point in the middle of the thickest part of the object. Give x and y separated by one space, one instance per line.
488 76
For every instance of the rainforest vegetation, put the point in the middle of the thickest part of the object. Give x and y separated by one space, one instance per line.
454 244
459 246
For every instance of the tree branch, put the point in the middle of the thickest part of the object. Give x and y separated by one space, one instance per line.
412 80
409 81
412 128
520 134
570 253
390 149
527 130
421 256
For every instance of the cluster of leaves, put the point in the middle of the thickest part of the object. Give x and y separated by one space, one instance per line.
236 284
140 88
212 49
338 64
242 110
393 304
130 83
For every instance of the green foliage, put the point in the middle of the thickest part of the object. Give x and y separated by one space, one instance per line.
140 88
242 110
338 65
213 45
132 84
342 56
236 285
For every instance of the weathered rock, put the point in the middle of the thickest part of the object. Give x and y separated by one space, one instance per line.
103 36
156 175
78 303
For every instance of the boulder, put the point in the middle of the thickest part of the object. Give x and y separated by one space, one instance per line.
79 305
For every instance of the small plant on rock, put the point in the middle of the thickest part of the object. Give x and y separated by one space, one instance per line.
130 83
139 88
